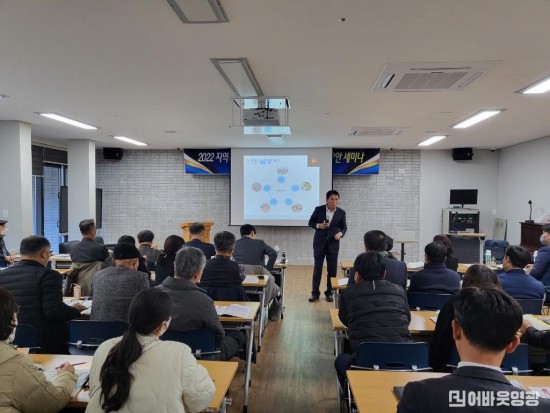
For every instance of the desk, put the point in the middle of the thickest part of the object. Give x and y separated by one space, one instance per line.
403 247
248 325
258 288
336 288
282 266
373 390
221 372
60 261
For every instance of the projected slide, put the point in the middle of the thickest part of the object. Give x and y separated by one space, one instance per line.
280 187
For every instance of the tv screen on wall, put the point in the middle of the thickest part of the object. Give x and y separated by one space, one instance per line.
463 197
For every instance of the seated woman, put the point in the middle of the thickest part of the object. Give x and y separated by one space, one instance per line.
23 387
440 349
139 373
164 267
373 309
450 262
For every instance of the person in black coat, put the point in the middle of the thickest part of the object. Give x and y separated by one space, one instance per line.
373 309
450 262
442 343
87 250
164 267
329 223
37 291
196 235
484 329
435 278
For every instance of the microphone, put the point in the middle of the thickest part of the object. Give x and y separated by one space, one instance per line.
530 221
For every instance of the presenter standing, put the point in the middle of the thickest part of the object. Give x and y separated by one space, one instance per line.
329 223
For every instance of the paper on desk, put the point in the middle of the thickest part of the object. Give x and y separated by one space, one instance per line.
251 279
61 256
416 264
235 310
342 281
538 323
434 319
543 392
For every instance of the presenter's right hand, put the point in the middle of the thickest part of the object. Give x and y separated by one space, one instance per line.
322 225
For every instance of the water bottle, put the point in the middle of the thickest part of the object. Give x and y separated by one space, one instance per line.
488 257
283 258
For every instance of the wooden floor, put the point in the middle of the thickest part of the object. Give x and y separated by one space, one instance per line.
295 369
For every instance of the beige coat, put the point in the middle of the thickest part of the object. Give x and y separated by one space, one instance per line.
167 379
82 273
24 388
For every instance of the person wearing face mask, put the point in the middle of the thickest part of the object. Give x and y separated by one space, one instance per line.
23 387
37 291
541 268
140 373
5 258
114 287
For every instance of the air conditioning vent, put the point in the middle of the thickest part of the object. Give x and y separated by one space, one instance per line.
430 77
374 132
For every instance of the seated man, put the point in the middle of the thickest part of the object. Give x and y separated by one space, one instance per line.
541 268
373 309
114 287
87 250
396 271
145 240
515 281
251 250
192 309
435 278
196 232
484 329
5 257
222 271
128 239
37 291
535 337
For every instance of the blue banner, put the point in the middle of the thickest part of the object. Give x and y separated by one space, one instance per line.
207 161
355 161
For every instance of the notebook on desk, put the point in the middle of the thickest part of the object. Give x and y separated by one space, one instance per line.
235 310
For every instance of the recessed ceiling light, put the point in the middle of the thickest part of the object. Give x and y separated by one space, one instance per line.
64 119
267 130
432 140
478 117
541 86
129 140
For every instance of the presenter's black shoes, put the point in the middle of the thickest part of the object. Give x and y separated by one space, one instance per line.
313 298
330 299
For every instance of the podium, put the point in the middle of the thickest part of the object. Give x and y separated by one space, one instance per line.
207 228
530 236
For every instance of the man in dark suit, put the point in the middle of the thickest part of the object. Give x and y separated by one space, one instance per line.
251 250
87 250
5 257
329 223
196 231
484 329
396 271
435 278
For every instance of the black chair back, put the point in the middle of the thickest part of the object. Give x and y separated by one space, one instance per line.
530 306
427 301
26 336
402 356
236 293
201 341
85 336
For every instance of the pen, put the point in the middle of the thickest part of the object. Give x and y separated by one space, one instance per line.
74 364
545 391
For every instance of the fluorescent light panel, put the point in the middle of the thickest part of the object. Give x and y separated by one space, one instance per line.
238 75
432 140
478 117
541 86
276 140
199 11
129 140
267 130
69 121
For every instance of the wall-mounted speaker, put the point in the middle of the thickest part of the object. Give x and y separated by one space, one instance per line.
462 154
112 153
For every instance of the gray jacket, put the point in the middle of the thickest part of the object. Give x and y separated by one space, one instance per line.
114 288
252 251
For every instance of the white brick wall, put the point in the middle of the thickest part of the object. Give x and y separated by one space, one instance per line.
149 190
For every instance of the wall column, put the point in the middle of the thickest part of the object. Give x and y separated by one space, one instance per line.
16 173
81 183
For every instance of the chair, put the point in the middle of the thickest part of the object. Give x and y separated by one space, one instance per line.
85 336
65 247
497 247
530 306
201 341
236 293
515 363
26 336
427 301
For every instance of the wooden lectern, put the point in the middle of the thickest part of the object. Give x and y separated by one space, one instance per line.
185 227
